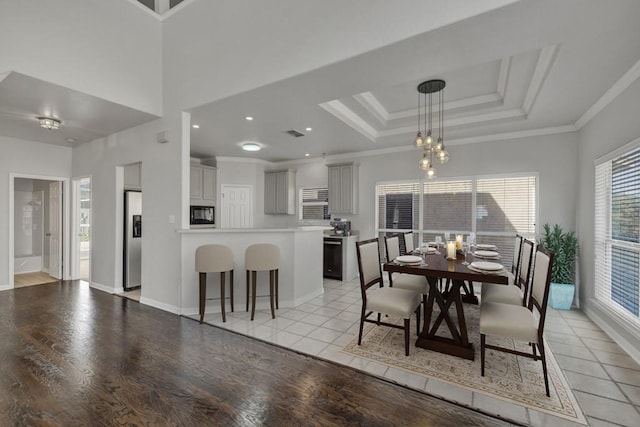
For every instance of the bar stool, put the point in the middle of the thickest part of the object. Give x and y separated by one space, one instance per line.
262 257
214 259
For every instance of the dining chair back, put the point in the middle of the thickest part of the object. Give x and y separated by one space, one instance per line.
382 300
523 278
411 282
409 245
517 253
518 322
391 247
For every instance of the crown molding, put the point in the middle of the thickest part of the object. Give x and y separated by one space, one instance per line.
618 87
241 160
373 106
545 61
342 112
513 135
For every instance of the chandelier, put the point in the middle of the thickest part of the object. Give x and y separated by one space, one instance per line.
431 149
49 123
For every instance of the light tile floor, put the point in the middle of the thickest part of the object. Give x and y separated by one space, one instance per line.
604 379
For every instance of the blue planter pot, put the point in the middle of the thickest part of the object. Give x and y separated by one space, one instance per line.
561 295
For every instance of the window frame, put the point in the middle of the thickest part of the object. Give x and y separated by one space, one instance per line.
302 204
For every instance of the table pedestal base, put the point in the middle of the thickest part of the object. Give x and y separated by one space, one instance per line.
447 346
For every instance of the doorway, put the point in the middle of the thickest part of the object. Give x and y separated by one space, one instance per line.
37 234
237 211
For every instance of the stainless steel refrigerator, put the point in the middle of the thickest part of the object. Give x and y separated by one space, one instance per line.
132 239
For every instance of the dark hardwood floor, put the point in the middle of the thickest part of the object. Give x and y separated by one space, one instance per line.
71 355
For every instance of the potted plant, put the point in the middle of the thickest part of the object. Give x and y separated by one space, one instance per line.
564 246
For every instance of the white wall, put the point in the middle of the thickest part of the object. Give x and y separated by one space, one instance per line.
27 158
614 127
161 199
109 49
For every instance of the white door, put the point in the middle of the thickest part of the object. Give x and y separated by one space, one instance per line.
237 210
55 229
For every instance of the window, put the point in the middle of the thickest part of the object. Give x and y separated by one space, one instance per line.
314 203
495 208
617 234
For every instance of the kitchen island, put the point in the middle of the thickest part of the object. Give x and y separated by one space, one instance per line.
300 276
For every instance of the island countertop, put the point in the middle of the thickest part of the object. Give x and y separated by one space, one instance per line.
252 230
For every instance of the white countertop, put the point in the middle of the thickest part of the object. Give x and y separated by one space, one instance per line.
250 230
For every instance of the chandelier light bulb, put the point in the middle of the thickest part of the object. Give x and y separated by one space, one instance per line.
431 173
429 138
439 145
419 141
443 157
425 164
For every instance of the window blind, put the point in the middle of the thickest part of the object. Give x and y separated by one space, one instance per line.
617 235
447 206
398 206
314 203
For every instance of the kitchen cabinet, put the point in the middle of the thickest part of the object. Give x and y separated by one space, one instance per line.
280 192
203 185
343 188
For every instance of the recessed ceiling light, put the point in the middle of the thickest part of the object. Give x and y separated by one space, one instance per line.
308 129
249 118
195 126
306 155
251 146
71 140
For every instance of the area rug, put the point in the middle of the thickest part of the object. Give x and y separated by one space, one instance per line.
514 379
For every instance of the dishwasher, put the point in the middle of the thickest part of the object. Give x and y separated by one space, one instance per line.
332 259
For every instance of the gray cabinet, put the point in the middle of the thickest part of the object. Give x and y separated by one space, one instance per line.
343 188
202 185
280 192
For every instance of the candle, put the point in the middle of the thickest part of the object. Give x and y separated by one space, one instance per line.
459 241
451 250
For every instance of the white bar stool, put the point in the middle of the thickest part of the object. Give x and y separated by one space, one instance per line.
262 257
214 259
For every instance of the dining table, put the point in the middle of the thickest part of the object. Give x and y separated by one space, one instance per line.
435 267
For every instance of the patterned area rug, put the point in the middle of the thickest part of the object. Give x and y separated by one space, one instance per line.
515 379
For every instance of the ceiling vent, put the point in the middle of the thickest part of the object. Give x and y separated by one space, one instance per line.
294 133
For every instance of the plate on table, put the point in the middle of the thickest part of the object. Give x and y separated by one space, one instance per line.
485 246
408 259
426 250
486 266
486 254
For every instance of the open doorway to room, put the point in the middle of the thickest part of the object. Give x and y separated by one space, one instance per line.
37 231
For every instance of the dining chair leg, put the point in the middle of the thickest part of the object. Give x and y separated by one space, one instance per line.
203 294
277 293
222 304
544 366
482 338
253 290
231 289
361 324
272 291
378 319
247 293
418 320
406 336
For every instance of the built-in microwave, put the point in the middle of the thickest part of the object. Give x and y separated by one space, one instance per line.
203 216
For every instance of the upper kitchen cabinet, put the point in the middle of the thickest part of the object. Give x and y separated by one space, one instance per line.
343 188
280 192
133 176
203 185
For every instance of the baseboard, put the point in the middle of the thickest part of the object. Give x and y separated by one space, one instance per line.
5 287
594 314
160 305
104 288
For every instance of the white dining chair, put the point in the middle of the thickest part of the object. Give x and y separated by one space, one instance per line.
376 298
517 291
409 245
520 323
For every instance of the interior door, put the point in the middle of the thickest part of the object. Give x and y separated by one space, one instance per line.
55 229
236 209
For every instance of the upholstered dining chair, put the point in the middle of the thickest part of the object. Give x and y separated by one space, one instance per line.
380 299
262 257
517 291
520 323
214 259
411 282
408 242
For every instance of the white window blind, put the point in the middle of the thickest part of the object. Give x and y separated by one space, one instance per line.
398 207
447 206
617 234
506 205
314 203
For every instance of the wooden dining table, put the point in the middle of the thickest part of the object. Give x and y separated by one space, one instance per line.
435 267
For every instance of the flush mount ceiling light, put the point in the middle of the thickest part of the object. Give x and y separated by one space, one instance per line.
49 123
431 148
251 146
195 126
248 118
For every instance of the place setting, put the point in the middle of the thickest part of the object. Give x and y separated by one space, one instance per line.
485 254
408 260
486 267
